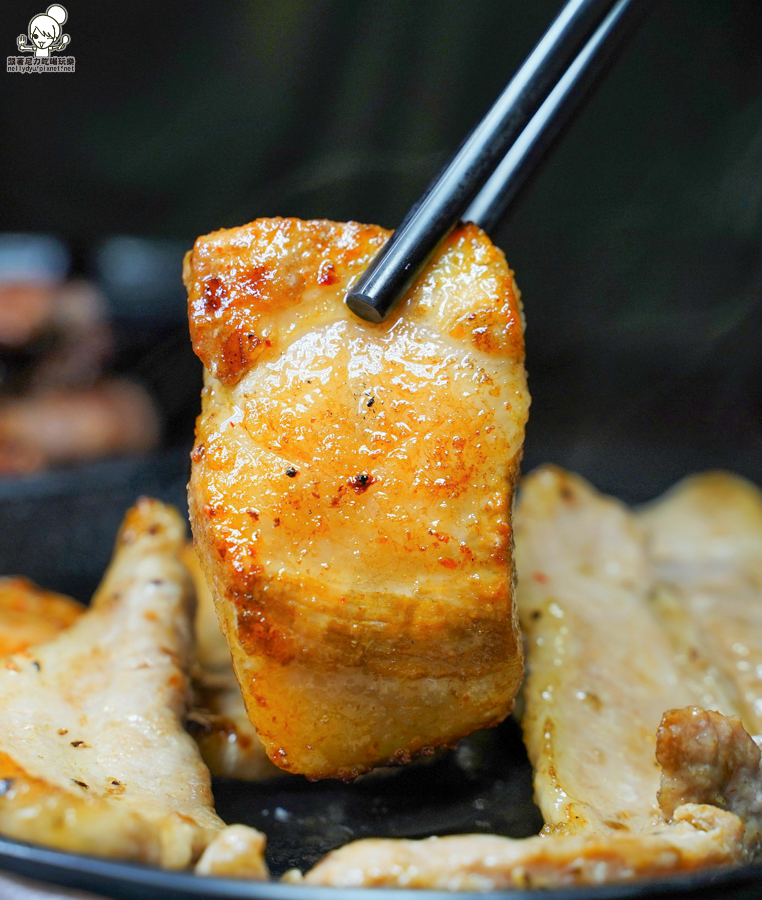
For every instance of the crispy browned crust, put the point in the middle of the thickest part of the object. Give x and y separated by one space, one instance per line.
348 659
240 280
704 757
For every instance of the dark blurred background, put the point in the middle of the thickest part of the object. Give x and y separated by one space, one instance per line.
638 246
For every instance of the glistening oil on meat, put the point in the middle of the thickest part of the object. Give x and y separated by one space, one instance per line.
369 603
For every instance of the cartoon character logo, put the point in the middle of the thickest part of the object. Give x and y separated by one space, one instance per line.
45 33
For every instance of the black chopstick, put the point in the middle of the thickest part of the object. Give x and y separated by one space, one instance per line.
563 102
400 261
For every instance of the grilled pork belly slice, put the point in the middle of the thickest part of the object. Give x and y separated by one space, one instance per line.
93 754
600 669
30 615
351 490
705 541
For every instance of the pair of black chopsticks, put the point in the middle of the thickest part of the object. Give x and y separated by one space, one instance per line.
492 164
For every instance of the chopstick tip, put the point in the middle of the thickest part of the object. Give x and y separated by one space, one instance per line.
362 306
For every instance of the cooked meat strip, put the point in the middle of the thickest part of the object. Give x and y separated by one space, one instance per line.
702 676
236 852
93 755
351 490
701 836
600 672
